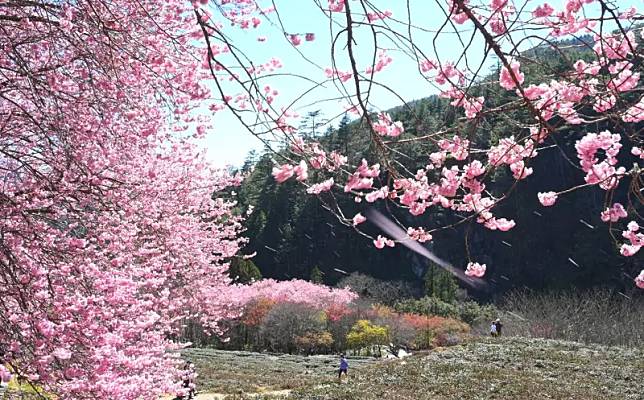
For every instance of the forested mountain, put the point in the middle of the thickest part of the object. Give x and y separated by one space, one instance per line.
550 248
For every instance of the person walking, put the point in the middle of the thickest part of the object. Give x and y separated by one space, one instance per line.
499 326
344 367
493 331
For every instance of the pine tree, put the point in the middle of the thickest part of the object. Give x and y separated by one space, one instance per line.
316 275
440 284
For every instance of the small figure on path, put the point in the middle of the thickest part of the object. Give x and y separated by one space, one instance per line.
493 330
344 367
499 326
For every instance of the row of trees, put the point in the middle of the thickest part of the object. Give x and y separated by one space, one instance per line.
286 326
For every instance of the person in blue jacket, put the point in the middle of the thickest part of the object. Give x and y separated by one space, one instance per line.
344 367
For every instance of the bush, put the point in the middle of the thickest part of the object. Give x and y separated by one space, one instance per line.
255 311
436 331
428 306
401 333
287 321
469 312
365 334
340 321
292 327
473 313
314 342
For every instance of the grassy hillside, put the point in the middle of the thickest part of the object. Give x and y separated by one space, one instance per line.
500 369
506 368
248 372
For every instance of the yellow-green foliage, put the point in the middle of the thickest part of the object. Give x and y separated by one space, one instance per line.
363 333
25 388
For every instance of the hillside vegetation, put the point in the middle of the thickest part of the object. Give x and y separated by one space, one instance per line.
498 369
485 368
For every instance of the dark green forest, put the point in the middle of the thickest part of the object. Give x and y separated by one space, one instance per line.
554 248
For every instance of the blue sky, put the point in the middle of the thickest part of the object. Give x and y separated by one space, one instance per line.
228 142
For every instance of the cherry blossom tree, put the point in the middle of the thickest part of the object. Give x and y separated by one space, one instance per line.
447 46
296 291
109 234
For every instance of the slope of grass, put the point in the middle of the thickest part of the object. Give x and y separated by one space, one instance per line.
506 368
235 372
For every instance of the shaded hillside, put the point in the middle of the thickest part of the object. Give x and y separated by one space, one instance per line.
550 248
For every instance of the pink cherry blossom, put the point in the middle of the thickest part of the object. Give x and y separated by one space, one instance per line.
507 79
634 113
337 161
628 250
295 39
519 170
639 280
635 238
419 234
318 188
457 146
544 10
381 193
301 171
358 219
602 173
344 76
368 172
283 172
336 5
614 213
475 270
386 127
382 241
295 291
503 224
547 199
474 169
355 182
427 65
62 353
636 151
374 16
110 227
